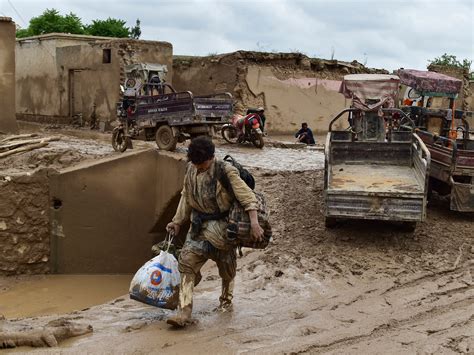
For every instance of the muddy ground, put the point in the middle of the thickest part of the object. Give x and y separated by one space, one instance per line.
72 147
359 288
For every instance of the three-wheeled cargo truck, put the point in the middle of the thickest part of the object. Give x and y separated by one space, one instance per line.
376 168
446 133
154 109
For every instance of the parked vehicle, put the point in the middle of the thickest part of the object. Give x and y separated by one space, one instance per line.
446 133
244 129
376 167
152 109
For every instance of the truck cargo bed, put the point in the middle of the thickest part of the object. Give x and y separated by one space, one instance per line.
371 178
378 180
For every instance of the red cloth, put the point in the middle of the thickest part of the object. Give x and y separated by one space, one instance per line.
250 117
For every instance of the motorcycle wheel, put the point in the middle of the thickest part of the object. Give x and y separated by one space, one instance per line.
257 141
165 139
119 141
229 133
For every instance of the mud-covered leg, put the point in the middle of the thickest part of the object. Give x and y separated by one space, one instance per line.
190 263
227 294
227 264
185 307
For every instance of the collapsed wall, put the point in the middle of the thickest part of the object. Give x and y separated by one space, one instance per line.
292 87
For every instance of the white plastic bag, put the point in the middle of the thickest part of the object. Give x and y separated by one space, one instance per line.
157 282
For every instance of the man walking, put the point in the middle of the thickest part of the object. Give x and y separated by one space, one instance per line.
206 203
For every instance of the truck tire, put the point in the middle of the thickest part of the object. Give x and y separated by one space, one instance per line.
165 139
330 222
119 141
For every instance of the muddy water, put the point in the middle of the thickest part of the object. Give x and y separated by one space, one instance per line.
56 294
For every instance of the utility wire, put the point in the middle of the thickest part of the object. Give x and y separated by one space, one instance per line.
20 17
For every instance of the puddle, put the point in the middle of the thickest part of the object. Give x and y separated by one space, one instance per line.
57 294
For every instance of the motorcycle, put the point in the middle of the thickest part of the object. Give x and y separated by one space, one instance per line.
126 128
249 130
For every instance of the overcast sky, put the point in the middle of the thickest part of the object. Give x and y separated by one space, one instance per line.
384 34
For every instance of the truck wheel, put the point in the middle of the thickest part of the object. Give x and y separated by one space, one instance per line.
165 139
330 222
119 141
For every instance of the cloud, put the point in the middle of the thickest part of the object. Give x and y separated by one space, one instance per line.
388 34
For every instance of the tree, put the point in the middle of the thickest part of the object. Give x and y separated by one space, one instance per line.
51 21
108 28
451 61
22 32
135 31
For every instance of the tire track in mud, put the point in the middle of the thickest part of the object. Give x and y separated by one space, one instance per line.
410 317
392 326
433 251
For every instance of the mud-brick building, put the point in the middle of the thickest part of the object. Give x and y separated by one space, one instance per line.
7 76
292 87
63 78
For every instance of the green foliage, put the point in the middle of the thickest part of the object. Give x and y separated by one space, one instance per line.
23 32
108 28
135 31
451 61
52 21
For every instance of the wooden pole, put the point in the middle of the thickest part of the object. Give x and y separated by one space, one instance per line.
13 145
23 149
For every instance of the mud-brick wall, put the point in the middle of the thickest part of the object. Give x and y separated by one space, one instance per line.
463 100
7 76
24 224
290 86
71 78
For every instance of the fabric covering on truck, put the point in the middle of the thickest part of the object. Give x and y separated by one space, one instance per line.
379 89
429 82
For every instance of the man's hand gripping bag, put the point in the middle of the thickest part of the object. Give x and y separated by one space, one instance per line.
157 282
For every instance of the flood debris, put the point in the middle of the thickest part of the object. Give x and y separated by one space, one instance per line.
13 335
14 144
361 287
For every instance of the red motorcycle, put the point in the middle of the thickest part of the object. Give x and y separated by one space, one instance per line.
244 129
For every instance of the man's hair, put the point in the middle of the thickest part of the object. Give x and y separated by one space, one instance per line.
304 124
200 150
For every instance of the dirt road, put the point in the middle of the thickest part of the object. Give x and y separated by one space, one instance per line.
359 288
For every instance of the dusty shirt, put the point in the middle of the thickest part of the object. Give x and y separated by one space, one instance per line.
204 193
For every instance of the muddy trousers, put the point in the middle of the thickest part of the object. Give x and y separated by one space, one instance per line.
191 260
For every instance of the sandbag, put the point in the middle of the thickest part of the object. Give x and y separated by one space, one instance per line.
157 282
